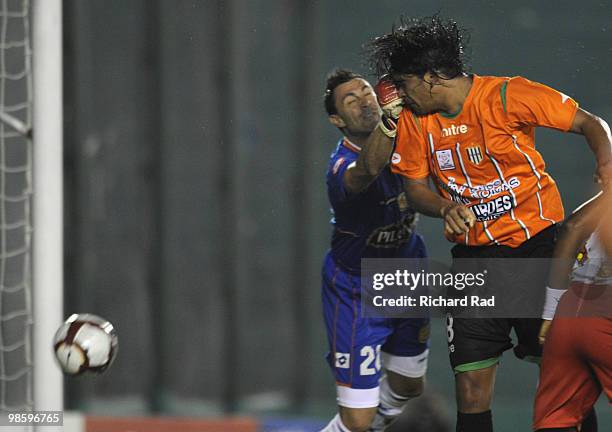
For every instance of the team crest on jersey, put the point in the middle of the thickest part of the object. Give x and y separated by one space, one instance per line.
474 155
393 235
343 360
445 159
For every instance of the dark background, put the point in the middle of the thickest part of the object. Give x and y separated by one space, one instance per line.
196 216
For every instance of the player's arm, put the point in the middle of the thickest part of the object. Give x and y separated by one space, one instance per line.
574 232
597 133
375 154
457 217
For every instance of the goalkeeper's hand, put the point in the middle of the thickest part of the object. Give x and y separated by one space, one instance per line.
391 104
544 330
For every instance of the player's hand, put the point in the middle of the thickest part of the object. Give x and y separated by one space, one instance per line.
603 173
391 104
458 219
388 97
544 331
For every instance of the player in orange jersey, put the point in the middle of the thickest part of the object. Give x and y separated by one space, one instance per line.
474 137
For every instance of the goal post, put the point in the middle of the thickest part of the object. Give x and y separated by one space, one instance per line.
47 200
31 249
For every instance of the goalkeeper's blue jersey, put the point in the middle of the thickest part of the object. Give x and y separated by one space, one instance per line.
375 223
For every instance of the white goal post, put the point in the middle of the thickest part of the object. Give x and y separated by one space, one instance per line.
48 201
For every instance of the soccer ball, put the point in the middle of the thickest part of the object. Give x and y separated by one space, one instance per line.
85 343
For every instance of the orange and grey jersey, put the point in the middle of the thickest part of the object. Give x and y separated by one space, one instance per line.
484 157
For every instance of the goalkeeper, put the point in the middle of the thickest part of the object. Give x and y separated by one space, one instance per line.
371 220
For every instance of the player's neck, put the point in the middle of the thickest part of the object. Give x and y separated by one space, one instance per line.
358 140
457 92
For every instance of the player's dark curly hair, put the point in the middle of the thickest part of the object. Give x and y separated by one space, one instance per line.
334 79
420 45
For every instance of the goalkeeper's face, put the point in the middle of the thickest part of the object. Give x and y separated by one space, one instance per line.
357 109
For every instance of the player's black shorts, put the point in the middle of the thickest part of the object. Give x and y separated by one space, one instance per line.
477 343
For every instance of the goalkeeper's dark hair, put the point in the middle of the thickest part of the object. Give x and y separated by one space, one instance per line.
334 79
418 46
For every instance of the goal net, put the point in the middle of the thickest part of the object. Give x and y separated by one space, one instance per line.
16 365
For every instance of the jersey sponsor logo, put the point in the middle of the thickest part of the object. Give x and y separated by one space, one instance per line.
337 165
474 154
453 190
445 159
564 98
396 158
393 235
492 209
487 190
460 200
454 130
343 360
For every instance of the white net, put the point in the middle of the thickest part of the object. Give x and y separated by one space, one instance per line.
15 204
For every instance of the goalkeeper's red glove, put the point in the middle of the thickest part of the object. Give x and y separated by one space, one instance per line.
391 104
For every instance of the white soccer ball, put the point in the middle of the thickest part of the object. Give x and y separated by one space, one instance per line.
85 343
